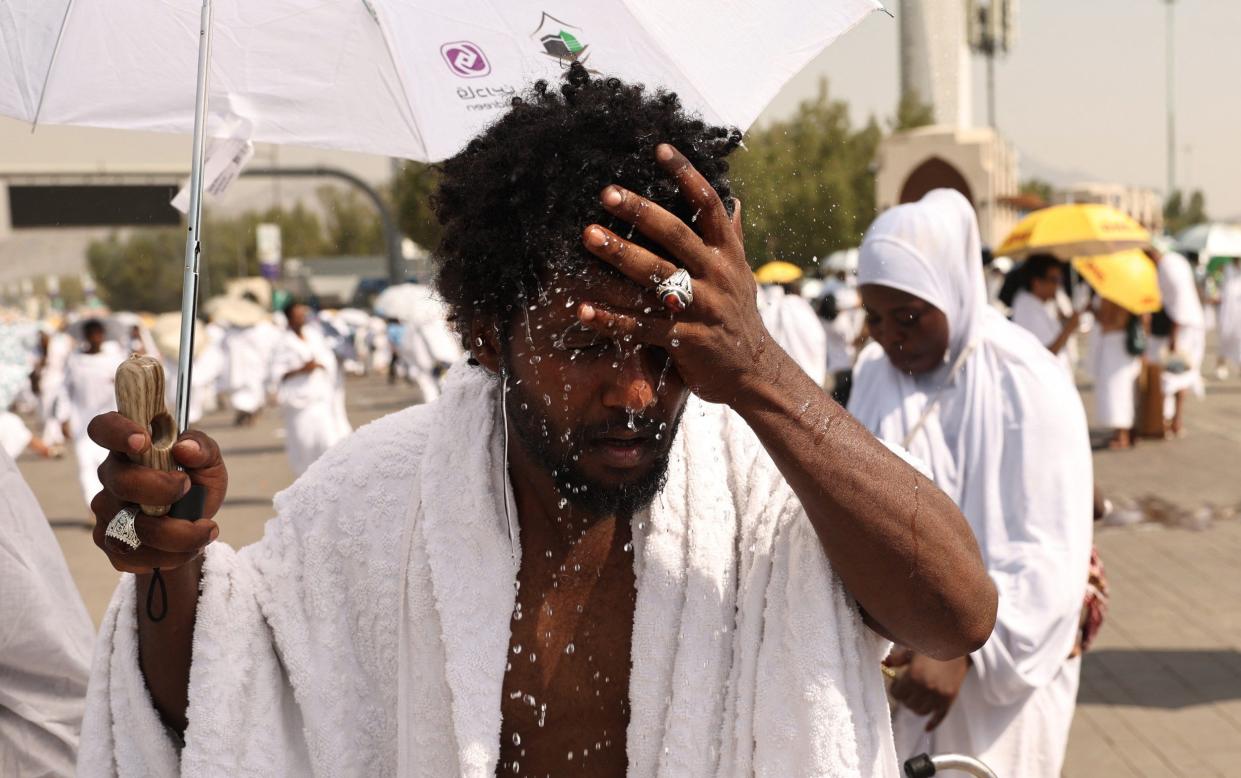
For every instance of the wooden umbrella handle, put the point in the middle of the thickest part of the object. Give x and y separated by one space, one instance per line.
140 398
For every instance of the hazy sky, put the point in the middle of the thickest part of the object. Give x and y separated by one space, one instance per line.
1082 93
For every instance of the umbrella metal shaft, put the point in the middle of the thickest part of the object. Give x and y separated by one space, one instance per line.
193 245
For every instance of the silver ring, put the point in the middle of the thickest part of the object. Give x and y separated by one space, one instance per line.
676 291
122 527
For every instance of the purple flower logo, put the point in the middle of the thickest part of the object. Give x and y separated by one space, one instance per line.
465 59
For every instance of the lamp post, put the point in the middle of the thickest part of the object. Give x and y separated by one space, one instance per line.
1171 98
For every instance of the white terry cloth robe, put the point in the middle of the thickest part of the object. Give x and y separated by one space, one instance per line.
1230 314
89 389
367 632
45 640
1043 321
793 324
1115 372
1006 438
314 414
1184 307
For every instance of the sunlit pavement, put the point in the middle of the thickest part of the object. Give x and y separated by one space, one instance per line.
1161 691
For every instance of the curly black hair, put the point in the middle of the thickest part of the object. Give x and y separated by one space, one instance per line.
514 202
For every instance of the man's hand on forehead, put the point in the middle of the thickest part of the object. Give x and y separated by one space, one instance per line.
718 342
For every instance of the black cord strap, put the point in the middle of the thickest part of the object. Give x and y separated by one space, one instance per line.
157 580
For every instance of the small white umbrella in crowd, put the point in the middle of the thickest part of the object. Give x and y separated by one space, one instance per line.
1210 240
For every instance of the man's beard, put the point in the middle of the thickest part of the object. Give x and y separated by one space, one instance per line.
558 458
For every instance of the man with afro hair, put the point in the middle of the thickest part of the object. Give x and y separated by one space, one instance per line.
632 537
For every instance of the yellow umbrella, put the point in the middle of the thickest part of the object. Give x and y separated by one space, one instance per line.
1127 278
1078 230
777 273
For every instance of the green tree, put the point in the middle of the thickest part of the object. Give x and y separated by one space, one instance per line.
352 226
1039 188
141 272
1179 215
142 269
911 113
411 194
806 184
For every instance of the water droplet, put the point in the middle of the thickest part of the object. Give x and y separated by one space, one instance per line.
516 766
629 546
532 658
517 648
570 757
569 649
675 342
516 739
563 502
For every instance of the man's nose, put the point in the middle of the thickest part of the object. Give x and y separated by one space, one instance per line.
633 388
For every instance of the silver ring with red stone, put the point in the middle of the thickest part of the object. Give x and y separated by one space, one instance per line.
676 291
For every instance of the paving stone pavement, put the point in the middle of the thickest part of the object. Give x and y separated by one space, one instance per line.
1161 690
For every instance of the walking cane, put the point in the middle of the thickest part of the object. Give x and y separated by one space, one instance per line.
140 379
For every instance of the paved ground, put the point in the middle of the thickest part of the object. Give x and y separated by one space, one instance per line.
1161 692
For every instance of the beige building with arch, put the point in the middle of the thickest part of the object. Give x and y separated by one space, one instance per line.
976 162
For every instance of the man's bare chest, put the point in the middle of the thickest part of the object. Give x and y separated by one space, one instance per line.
565 702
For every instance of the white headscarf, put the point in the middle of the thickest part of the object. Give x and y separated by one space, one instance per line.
1004 435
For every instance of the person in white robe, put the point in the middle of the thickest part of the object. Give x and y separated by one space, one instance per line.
249 367
58 346
1003 431
208 361
1183 350
310 390
1229 320
428 346
45 641
734 541
89 389
844 322
1115 371
1035 308
793 324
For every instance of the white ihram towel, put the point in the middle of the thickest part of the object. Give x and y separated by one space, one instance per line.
367 633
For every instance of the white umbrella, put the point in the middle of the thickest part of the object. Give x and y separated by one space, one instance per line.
235 311
389 77
408 302
843 261
1210 240
405 79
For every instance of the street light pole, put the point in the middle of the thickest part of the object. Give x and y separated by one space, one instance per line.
1171 98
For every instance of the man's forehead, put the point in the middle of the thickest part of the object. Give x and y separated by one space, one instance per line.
563 290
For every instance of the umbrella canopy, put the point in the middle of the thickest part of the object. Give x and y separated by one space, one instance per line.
1077 230
167 333
237 311
113 328
778 272
843 261
1209 241
414 303
1127 278
426 79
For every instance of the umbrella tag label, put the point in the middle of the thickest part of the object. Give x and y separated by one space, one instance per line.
225 159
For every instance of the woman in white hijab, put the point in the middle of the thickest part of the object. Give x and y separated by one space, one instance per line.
1002 429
